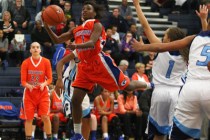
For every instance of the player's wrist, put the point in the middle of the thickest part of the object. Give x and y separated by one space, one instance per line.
150 85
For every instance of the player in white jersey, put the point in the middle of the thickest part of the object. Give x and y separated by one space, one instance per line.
167 70
194 98
68 78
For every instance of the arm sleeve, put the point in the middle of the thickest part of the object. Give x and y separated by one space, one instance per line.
48 72
24 73
120 105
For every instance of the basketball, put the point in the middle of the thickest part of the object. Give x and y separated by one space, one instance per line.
53 15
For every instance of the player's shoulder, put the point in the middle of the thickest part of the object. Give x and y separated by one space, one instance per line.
45 60
27 60
204 33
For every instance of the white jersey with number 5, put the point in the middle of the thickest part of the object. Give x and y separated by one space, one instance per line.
168 69
199 57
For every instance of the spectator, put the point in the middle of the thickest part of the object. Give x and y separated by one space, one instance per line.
145 103
8 26
3 49
104 3
20 16
111 47
6 4
115 34
38 16
127 51
70 24
148 62
129 114
56 113
117 20
133 30
126 12
67 10
123 66
58 2
104 111
157 4
40 35
140 76
17 50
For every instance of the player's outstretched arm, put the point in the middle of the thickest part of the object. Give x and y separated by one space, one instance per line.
58 39
203 15
145 24
62 62
162 47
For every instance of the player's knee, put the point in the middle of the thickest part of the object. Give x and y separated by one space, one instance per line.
130 87
55 118
104 118
93 117
45 118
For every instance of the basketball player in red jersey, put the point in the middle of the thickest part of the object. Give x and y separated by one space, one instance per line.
36 74
95 66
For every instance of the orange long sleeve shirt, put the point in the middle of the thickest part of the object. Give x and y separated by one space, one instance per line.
35 72
130 104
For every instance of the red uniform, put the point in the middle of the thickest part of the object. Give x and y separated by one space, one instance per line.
35 72
95 66
106 106
56 104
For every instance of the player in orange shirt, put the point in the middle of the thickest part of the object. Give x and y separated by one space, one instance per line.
94 66
36 74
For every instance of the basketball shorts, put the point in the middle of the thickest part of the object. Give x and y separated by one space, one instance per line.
193 104
35 100
163 102
101 70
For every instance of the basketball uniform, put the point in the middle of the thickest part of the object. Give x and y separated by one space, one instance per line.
35 72
168 68
194 98
95 66
57 105
106 107
69 76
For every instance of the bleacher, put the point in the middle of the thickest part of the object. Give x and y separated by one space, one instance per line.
9 85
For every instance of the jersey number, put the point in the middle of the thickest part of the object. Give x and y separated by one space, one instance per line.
205 52
170 67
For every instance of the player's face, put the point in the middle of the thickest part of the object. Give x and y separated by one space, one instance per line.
35 49
105 93
88 12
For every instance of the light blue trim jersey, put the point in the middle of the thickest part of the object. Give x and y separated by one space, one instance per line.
168 69
199 57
